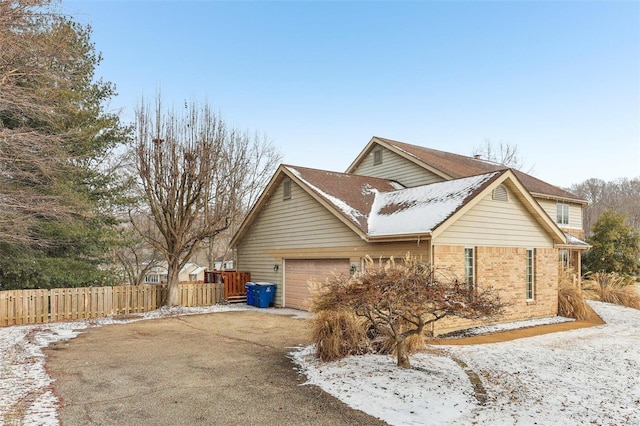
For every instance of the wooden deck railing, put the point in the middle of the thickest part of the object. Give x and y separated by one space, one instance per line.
234 284
60 304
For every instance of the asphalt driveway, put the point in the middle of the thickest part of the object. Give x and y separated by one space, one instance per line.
226 368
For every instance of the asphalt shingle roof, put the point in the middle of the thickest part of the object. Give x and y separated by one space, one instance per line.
458 166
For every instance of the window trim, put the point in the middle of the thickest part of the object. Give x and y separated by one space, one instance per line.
562 214
563 258
530 275
470 269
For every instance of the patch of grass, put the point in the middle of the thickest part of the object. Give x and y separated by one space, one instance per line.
612 288
338 334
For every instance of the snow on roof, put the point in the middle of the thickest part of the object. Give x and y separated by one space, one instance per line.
347 209
574 241
421 209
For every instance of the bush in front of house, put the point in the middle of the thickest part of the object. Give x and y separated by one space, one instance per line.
571 302
397 302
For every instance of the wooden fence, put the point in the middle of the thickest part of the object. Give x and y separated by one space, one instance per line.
60 304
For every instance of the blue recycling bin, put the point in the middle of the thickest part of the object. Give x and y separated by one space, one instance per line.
249 286
263 294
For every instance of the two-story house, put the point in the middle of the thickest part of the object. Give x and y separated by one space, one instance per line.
486 224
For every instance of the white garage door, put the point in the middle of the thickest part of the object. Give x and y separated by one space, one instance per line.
299 272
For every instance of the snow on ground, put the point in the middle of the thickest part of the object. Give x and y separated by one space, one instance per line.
26 395
584 376
568 378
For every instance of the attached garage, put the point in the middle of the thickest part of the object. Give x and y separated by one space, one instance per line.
298 273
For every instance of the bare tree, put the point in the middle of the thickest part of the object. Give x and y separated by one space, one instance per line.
401 300
502 153
197 175
134 256
621 195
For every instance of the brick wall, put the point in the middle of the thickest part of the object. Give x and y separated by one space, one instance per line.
504 269
578 233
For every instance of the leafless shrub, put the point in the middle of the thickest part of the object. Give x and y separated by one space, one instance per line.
399 300
338 334
571 303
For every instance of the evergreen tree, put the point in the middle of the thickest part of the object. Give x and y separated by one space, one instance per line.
58 190
616 246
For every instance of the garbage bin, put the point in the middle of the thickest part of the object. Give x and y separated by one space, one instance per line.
250 299
263 294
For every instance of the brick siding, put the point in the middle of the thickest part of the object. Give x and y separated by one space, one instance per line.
504 269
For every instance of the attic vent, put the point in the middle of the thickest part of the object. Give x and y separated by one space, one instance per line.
286 189
377 157
500 193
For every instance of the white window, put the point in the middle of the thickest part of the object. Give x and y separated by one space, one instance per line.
469 267
377 157
152 278
193 277
563 214
563 257
286 189
530 274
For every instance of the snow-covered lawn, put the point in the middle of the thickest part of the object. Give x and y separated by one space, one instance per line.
575 377
584 376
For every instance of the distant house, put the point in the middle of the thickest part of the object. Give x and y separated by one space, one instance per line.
190 272
487 224
223 263
156 275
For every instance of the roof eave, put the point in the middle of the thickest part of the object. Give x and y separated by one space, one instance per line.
557 198
399 237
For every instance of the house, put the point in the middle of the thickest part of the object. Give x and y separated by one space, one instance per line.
156 275
487 224
190 272
223 263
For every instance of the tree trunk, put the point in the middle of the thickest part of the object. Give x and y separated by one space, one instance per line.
403 354
173 281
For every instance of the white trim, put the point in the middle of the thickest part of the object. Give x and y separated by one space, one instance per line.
532 275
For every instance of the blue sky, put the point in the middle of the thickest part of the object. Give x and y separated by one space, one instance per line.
561 80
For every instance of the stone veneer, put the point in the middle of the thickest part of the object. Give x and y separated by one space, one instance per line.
504 269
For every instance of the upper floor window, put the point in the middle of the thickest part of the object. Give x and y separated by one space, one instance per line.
286 189
377 156
500 193
563 214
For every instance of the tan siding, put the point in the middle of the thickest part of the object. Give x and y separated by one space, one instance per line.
297 223
301 228
575 212
397 168
498 224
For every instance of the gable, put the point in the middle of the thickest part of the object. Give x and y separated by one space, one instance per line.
299 221
394 166
497 223
447 165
